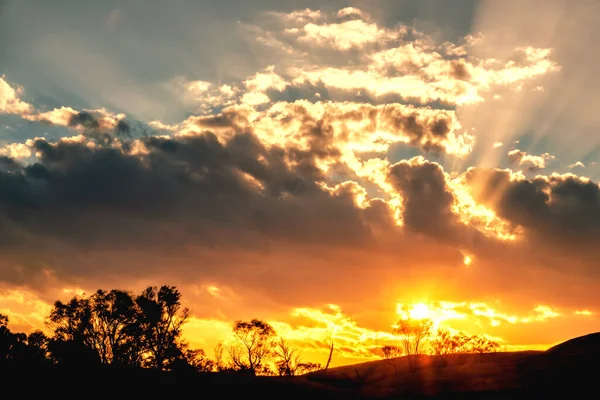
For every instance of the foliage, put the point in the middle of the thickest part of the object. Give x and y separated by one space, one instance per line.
253 346
219 361
413 332
118 328
289 362
390 351
102 322
445 343
159 325
145 330
29 349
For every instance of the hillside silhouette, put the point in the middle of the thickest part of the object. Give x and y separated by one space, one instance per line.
520 375
119 344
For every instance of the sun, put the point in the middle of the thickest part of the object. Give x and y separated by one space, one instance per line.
419 311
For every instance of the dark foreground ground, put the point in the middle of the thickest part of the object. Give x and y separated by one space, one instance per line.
570 371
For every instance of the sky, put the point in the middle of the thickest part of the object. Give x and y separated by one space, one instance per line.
325 166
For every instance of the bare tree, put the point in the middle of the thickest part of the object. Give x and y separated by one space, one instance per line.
330 355
389 353
287 358
306 367
218 351
289 361
481 345
253 345
413 333
445 343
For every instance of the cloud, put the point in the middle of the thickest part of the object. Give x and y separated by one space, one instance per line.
336 127
173 192
10 99
203 96
559 214
577 164
344 35
428 200
348 54
528 161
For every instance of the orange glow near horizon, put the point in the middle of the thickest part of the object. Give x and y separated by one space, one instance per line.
313 329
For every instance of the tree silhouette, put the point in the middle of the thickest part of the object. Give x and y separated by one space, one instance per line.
116 328
160 321
286 358
219 357
389 353
101 322
253 345
37 342
20 348
482 345
193 360
289 362
413 333
330 355
445 343
306 367
7 339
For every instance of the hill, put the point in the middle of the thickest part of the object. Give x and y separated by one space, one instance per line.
435 376
568 370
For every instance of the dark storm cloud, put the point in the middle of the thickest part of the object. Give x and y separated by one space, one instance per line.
459 70
84 119
557 211
427 199
191 190
426 135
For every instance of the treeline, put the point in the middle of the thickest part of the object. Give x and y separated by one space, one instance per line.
414 335
144 331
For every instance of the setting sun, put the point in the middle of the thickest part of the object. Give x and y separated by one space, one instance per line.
420 311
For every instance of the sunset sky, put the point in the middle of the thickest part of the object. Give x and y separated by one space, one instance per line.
326 166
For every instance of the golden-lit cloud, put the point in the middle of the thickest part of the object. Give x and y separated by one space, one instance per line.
577 164
10 99
344 35
99 120
528 161
202 95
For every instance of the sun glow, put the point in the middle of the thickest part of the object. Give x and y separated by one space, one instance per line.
435 312
475 214
420 311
